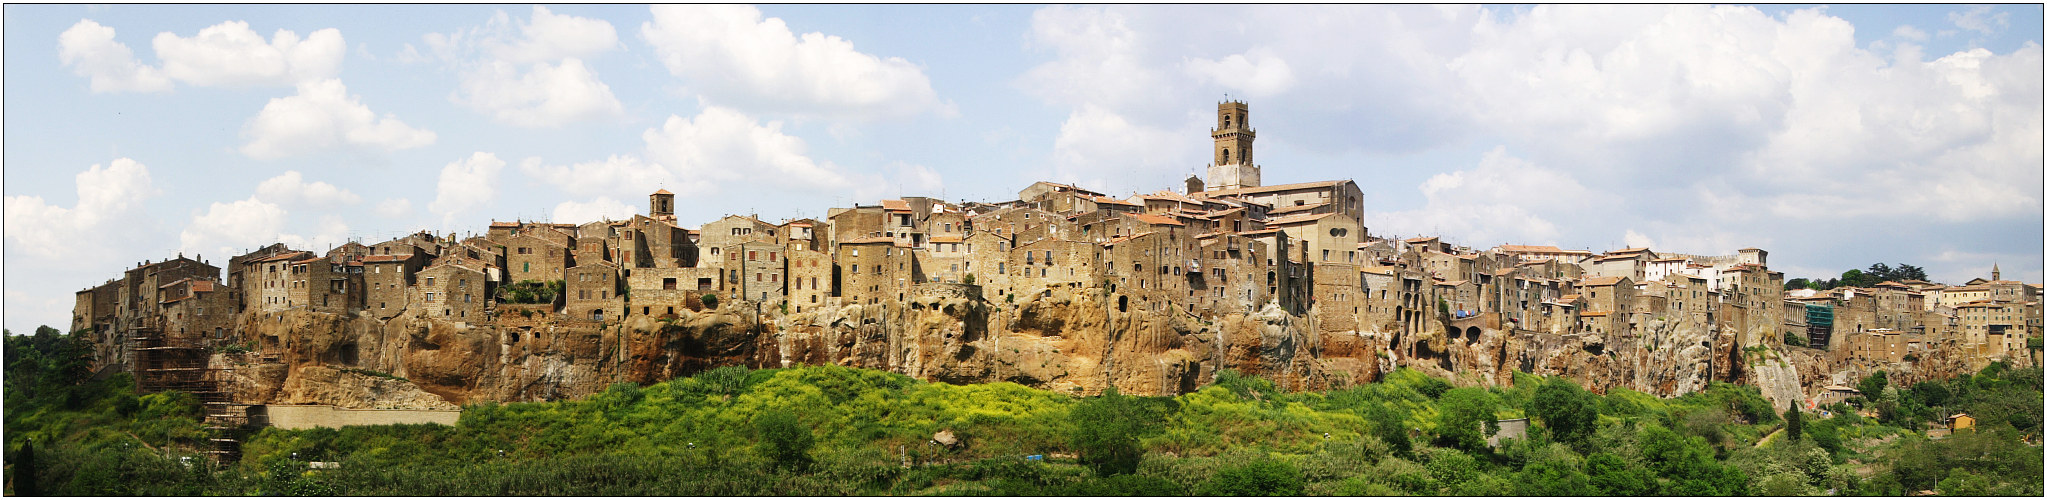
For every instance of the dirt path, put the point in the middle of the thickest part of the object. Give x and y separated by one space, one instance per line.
1766 439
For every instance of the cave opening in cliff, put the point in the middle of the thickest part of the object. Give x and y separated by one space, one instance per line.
348 353
1123 303
1471 335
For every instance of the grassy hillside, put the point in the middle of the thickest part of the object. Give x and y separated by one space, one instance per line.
840 431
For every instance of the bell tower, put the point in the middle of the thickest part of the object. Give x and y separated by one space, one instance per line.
1233 167
661 204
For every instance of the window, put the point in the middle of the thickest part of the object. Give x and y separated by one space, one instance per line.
667 283
714 250
856 269
771 256
752 255
429 281
429 296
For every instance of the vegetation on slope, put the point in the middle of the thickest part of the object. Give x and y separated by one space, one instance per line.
831 430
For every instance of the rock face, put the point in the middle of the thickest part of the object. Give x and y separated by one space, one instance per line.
1066 338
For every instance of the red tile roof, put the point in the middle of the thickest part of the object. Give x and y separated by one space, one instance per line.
1156 220
1601 281
1269 189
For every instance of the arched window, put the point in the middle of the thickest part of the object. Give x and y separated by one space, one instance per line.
1226 157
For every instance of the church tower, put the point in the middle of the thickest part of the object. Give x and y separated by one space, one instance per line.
1233 168
1995 275
661 204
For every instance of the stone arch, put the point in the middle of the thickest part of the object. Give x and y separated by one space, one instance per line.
1471 335
1226 156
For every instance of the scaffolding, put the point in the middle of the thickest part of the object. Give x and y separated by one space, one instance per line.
166 363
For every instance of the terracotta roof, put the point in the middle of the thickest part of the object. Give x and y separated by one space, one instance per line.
946 239
387 258
1296 208
895 205
793 224
1156 220
1221 213
1569 298
1601 281
1297 219
662 191
1593 314
1450 283
1503 270
1169 196
1120 239
1380 270
1671 259
1268 189
1419 239
1113 201
282 256
864 241
1210 234
1258 233
503 224
1468 257
1529 248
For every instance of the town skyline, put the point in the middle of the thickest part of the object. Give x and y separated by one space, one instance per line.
574 113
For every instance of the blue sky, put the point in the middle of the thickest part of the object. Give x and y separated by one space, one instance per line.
1833 136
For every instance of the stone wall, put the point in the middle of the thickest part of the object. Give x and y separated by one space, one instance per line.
311 416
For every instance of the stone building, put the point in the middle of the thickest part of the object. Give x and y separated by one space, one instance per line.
536 254
872 270
592 291
810 278
644 242
323 285
386 281
1228 275
274 282
198 310
453 290
754 272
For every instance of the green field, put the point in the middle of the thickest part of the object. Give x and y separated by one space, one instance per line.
841 431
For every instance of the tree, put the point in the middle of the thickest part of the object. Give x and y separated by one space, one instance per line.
1465 418
1872 386
1264 477
1389 423
710 301
784 439
1613 476
1793 425
1797 284
1105 432
1567 410
25 470
1553 479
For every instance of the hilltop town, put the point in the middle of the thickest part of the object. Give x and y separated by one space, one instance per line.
1064 288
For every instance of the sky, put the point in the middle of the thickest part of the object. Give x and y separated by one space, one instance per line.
1832 136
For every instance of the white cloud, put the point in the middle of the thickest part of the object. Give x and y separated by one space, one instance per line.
619 175
1106 151
916 178
1505 200
548 36
1258 73
292 189
544 95
530 73
1906 31
105 194
322 116
90 50
466 184
392 208
1979 19
232 55
603 207
722 144
737 59
1637 240
233 228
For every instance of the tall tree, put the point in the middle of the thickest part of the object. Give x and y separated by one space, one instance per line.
1794 427
1568 411
1105 432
